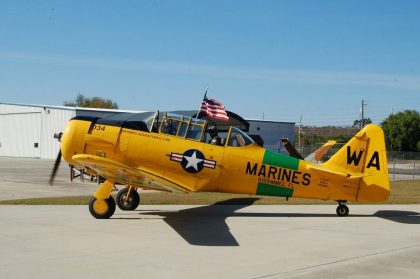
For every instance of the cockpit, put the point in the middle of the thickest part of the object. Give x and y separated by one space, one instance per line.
196 129
175 125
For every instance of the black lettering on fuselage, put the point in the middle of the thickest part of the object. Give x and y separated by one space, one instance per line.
295 177
374 161
279 174
353 157
272 172
286 174
262 171
252 171
306 179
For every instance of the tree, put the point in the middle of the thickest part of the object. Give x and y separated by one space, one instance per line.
94 102
402 130
358 122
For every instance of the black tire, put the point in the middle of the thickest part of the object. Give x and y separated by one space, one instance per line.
342 210
133 201
102 209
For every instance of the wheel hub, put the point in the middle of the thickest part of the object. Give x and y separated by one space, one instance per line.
100 206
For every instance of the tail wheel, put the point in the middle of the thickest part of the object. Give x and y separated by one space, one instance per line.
102 209
342 210
128 200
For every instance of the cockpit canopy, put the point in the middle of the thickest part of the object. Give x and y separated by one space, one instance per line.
195 129
175 125
183 126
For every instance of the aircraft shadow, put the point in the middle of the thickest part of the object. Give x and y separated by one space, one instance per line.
399 216
206 225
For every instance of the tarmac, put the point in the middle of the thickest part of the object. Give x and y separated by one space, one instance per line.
217 241
22 178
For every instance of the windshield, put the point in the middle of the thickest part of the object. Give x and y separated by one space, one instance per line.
238 138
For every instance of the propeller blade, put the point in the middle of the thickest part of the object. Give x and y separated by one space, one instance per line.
56 165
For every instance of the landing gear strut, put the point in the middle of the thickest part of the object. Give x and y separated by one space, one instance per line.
342 209
128 199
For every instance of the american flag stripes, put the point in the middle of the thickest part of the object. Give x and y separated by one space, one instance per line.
213 108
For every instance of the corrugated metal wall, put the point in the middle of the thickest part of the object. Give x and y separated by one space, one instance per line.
28 131
20 134
53 121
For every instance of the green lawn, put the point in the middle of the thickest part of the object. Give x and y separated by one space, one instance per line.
402 192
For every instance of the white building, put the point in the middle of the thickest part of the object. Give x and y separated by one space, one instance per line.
28 130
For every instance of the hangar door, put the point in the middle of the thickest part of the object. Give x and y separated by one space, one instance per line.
20 134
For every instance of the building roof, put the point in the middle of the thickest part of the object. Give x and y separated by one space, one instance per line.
71 108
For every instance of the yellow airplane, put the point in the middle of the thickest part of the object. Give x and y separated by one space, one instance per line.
142 152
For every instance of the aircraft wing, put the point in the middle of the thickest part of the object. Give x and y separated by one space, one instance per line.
316 156
127 175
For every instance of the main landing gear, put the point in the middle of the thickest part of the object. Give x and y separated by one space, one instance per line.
102 208
342 209
102 204
128 199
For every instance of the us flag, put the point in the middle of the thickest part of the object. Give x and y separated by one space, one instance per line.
213 108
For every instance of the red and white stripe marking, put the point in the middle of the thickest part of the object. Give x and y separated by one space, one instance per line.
207 163
210 164
176 157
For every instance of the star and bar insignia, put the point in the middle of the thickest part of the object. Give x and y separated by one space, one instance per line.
193 161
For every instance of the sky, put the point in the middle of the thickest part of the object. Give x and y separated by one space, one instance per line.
309 61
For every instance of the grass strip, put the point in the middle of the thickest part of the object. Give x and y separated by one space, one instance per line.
402 192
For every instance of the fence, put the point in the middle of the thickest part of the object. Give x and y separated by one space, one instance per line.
403 165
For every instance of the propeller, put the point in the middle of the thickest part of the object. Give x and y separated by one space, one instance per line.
57 160
56 165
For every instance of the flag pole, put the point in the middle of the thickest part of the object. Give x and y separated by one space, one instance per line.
199 109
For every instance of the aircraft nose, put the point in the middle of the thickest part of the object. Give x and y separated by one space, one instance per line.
73 140
66 140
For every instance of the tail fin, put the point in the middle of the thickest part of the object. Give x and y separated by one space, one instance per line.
365 156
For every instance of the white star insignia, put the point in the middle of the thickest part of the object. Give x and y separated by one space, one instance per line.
193 161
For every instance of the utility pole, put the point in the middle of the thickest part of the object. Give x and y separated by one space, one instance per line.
362 111
299 134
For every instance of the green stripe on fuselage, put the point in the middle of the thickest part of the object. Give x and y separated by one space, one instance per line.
271 190
280 160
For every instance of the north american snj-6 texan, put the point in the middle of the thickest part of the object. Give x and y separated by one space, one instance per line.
172 152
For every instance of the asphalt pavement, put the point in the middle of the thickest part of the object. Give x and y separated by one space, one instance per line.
217 241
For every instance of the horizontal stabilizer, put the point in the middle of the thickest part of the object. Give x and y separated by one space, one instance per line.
348 175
